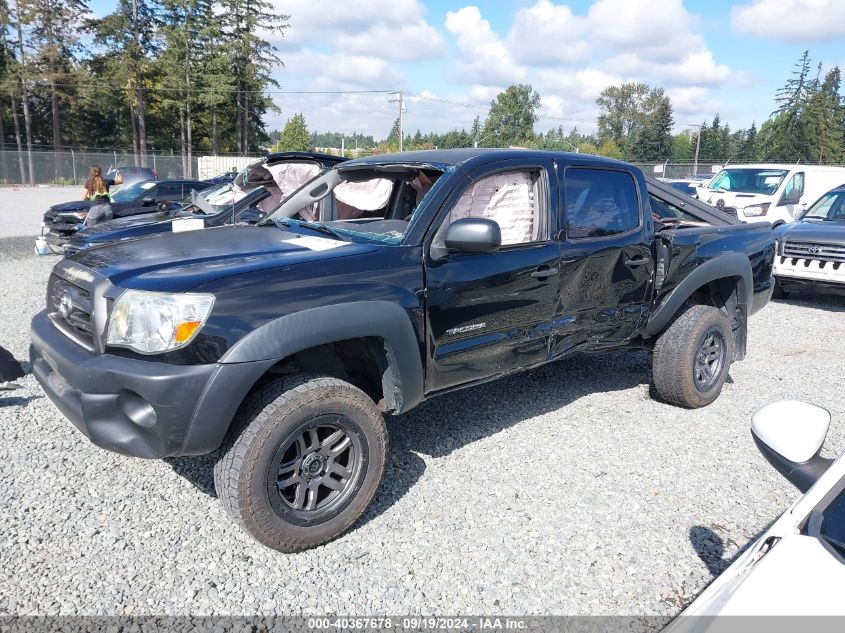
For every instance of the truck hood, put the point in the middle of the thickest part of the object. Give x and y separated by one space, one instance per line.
124 223
813 231
177 262
731 198
71 207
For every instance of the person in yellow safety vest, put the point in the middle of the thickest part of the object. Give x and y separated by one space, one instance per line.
97 190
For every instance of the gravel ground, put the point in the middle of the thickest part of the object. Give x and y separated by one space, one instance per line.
565 490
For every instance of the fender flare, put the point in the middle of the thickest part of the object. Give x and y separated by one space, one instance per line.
384 320
720 267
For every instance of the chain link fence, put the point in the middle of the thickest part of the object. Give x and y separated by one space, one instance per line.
71 167
700 169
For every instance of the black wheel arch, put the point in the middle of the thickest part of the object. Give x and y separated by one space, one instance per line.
725 281
384 327
388 323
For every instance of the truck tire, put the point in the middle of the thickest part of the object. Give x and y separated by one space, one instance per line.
692 357
302 462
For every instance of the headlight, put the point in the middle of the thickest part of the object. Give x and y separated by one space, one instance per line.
79 215
756 209
154 322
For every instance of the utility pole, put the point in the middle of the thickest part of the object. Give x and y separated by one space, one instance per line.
697 148
401 101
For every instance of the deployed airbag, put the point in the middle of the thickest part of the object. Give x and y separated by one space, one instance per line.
507 198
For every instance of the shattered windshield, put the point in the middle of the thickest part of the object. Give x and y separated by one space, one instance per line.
362 203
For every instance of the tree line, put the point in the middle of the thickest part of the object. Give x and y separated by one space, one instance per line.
636 122
154 75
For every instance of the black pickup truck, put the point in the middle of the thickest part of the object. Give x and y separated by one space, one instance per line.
283 344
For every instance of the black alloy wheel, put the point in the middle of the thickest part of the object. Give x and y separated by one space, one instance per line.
710 359
315 468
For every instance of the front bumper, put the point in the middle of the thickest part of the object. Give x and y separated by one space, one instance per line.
138 407
800 271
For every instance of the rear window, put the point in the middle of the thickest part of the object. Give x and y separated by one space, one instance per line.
599 203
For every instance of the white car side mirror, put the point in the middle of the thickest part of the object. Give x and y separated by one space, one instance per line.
790 435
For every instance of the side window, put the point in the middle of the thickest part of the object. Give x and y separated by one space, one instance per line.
512 199
795 186
599 202
665 209
171 191
832 526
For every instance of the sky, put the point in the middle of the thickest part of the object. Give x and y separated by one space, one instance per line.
452 58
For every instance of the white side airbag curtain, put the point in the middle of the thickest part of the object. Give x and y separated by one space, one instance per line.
507 198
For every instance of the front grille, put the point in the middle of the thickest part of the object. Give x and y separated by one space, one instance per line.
70 309
813 250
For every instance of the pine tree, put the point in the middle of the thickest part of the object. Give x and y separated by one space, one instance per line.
652 137
253 60
53 37
295 135
127 38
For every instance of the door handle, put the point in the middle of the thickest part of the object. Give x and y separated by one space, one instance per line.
635 262
543 273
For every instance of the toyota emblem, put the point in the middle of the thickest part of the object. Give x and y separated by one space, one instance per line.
65 305
816 250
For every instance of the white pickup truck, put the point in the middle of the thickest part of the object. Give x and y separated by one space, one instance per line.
773 193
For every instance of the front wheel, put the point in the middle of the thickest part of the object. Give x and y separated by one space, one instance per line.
693 356
303 461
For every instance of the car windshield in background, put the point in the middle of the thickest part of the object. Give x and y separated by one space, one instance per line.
748 180
683 187
830 207
132 192
367 203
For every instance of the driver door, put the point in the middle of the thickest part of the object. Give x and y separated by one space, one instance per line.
491 313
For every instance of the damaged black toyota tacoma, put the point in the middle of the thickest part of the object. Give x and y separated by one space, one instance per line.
382 282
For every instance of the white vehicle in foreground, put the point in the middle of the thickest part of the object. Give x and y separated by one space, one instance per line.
797 567
771 193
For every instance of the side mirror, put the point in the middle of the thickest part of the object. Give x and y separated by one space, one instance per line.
790 435
473 235
148 201
793 198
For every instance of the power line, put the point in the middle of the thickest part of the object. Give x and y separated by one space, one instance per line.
477 106
12 82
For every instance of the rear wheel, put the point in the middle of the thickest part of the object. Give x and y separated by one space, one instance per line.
693 356
304 461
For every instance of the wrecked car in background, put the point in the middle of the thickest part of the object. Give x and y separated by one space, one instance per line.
283 344
255 191
62 221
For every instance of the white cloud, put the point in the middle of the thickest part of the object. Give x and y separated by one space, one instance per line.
484 58
791 20
653 29
340 71
548 34
390 29
568 58
694 69
693 104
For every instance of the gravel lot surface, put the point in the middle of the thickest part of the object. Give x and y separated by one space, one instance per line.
562 490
